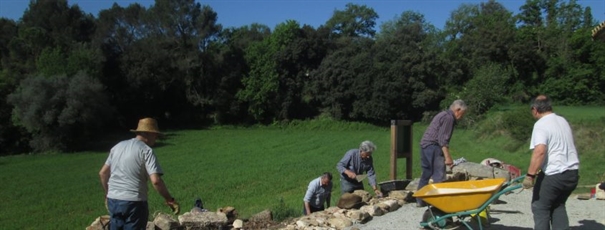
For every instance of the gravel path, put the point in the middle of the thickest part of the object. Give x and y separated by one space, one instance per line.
514 214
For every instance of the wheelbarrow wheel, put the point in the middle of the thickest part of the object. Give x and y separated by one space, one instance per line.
432 214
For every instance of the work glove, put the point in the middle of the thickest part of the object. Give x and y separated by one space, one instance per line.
528 182
174 206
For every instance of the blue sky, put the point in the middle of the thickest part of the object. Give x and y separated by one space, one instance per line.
311 12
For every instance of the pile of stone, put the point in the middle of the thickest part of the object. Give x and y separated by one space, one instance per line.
224 218
352 208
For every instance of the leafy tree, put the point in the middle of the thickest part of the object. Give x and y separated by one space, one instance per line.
344 78
406 69
263 85
60 22
354 21
60 112
486 89
232 66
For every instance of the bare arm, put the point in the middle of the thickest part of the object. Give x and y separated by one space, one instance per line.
158 185
104 175
537 158
307 208
447 155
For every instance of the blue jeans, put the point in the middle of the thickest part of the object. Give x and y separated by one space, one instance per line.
433 166
549 197
127 214
349 186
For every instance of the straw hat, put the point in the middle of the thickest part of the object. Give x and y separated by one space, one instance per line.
148 125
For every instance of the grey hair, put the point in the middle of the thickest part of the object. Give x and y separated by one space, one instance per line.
458 104
367 146
542 104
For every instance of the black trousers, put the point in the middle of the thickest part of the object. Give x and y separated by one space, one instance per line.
313 209
549 197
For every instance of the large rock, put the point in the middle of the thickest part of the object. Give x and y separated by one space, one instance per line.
476 170
203 221
349 200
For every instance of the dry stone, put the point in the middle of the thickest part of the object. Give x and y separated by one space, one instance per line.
302 223
164 221
358 215
150 226
340 222
203 221
365 196
372 210
391 204
238 224
398 194
263 216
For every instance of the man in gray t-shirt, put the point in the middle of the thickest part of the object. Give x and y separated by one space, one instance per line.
125 174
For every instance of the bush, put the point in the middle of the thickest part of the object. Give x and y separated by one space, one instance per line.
519 123
515 122
282 212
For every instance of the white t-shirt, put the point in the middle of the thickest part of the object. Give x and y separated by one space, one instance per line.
131 162
554 132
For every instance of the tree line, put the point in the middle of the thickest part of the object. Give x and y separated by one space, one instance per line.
67 76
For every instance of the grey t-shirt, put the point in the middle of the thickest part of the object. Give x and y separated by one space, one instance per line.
131 162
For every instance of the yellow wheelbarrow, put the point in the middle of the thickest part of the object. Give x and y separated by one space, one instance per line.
462 199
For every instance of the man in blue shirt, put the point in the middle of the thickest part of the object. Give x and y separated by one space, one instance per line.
356 162
318 193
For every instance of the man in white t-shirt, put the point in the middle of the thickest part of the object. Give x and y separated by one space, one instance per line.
130 164
554 166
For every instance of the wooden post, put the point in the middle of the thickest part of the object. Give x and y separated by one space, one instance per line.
401 146
393 150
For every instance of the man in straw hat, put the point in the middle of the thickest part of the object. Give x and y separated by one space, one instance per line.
124 178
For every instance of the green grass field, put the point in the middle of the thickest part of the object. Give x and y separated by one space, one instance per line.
251 169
